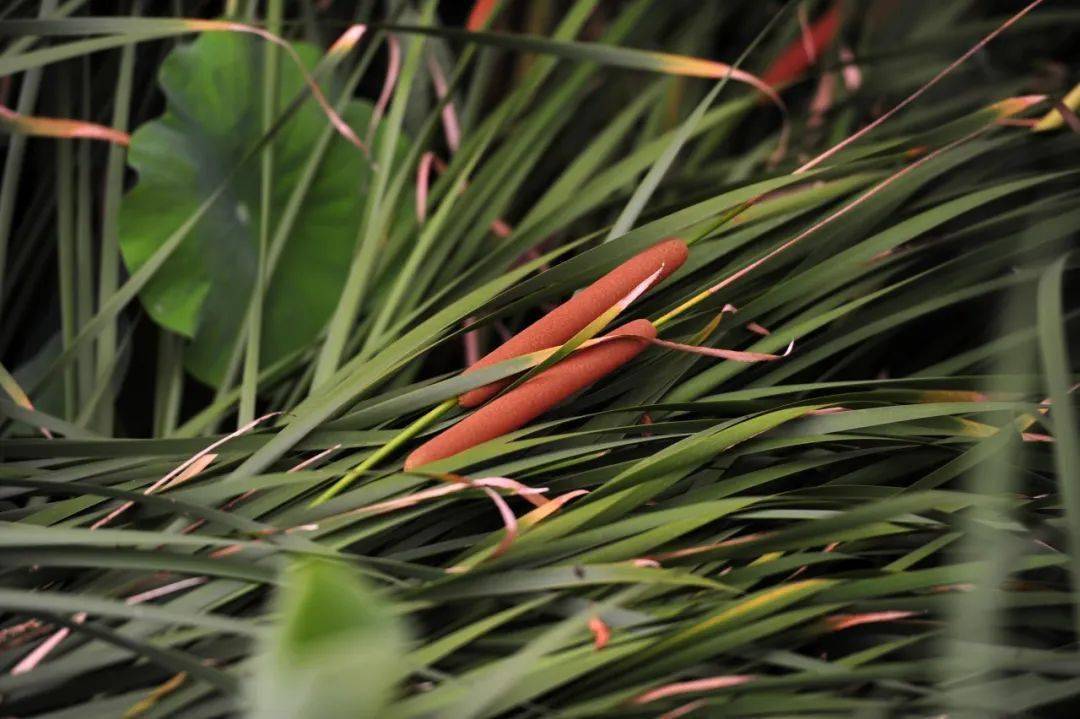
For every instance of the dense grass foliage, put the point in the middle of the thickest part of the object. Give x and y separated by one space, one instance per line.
245 262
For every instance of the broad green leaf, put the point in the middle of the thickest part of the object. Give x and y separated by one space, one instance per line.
204 289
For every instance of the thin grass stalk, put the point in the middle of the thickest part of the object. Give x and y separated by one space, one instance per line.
168 383
109 267
249 385
65 257
84 262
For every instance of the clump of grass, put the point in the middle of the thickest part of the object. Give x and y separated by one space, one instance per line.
839 485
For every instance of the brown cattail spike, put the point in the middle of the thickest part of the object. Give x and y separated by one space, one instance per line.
522 404
572 316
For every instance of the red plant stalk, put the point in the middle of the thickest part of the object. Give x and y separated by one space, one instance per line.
805 50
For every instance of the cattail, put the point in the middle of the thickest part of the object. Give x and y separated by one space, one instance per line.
572 316
528 401
795 60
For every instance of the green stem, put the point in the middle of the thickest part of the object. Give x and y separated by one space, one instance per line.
382 452
249 382
725 217
84 263
109 265
65 253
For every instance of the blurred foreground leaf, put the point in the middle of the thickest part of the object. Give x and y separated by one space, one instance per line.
337 650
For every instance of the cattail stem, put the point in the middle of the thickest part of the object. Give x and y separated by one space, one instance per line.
386 450
723 219
668 316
